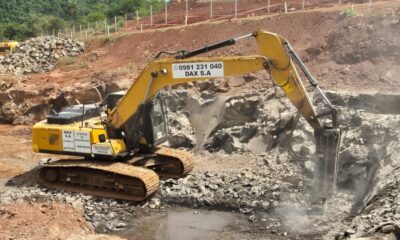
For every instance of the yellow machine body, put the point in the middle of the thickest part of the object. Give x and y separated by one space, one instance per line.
75 139
7 47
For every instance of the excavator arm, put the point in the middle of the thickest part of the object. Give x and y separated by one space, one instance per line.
276 56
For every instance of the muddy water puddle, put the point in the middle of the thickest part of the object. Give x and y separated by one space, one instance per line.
180 224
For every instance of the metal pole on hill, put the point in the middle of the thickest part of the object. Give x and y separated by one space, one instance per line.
126 22
269 1
166 12
211 9
236 6
137 18
187 12
105 26
302 4
115 22
151 16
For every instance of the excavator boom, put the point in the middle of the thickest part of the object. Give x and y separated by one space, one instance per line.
273 57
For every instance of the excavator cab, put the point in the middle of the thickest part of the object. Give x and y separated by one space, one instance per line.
158 121
153 125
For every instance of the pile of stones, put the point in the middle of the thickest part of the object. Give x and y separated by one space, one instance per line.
39 55
244 191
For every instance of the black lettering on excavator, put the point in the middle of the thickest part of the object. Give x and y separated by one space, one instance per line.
191 74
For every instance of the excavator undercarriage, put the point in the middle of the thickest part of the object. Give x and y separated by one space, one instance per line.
135 179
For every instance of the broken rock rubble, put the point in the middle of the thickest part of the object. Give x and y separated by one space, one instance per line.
39 55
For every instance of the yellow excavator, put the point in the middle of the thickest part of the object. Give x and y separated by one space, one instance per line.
122 153
7 47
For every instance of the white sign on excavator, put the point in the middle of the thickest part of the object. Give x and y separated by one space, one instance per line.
198 69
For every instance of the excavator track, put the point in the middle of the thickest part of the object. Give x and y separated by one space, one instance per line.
113 180
135 179
166 162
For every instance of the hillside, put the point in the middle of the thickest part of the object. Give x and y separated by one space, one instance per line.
322 37
22 19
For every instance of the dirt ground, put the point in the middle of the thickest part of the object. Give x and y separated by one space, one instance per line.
200 11
36 221
357 54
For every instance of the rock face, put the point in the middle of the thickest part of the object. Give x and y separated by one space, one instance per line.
261 123
27 107
369 37
39 55
246 122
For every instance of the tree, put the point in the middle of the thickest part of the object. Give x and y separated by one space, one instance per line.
16 32
123 6
95 16
56 23
73 8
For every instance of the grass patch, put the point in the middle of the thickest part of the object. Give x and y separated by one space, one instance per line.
109 39
348 12
113 37
81 65
71 63
66 61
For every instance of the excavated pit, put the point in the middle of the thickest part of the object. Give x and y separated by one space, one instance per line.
243 166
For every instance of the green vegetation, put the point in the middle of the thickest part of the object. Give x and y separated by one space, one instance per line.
30 18
348 12
71 63
66 61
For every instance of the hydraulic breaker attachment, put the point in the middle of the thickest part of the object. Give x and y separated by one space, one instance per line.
327 139
327 154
